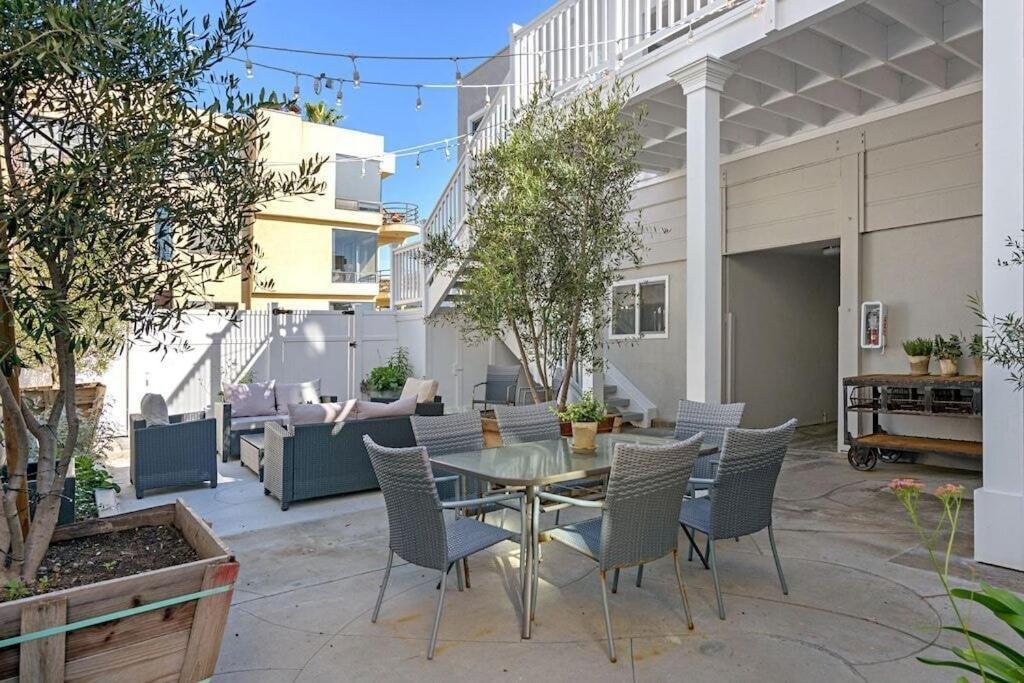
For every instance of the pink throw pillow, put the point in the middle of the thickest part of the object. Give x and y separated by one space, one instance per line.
320 413
250 400
368 410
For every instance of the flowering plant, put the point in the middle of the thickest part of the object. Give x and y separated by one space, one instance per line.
1001 663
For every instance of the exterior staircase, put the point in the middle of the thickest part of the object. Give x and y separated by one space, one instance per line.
619 405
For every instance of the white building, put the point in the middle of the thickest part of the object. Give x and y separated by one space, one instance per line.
805 156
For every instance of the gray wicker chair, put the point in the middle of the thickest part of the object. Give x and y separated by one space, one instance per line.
419 533
741 495
638 515
443 434
712 419
500 386
522 424
176 454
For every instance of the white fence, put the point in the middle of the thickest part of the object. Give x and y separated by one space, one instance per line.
338 348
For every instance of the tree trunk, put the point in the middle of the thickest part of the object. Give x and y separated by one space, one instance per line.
523 363
570 357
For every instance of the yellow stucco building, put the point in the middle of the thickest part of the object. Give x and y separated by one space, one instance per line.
321 251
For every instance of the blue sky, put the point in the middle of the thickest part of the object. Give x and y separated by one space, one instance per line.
435 27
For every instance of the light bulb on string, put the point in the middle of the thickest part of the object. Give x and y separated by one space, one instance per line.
355 72
318 84
296 91
418 160
758 4
487 95
690 36
248 65
362 171
419 97
338 98
458 72
329 83
447 151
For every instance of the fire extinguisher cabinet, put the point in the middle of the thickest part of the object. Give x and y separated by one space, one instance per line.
873 325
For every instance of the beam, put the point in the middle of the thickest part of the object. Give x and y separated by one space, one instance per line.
926 18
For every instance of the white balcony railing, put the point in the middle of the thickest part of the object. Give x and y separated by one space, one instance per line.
407 275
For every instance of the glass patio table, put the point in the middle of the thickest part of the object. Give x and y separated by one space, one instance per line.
533 466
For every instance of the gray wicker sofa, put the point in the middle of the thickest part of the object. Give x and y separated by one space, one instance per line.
316 460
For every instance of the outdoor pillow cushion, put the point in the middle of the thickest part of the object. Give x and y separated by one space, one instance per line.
247 400
299 392
423 389
368 410
320 413
154 409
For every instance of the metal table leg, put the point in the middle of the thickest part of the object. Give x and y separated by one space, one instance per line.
529 537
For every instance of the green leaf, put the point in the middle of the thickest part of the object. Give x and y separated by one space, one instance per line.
961 665
1011 654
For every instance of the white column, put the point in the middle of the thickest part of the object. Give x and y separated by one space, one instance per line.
999 504
702 83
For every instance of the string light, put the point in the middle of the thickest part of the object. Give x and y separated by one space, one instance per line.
248 65
758 5
458 72
296 91
487 95
690 37
318 84
419 97
355 72
447 151
362 171
418 160
329 83
339 97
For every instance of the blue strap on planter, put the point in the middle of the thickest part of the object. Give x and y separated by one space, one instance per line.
121 614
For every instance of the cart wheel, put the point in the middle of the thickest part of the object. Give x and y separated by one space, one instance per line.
863 459
890 456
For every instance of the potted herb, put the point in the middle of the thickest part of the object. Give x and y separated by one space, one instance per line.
977 351
386 381
919 353
949 351
584 415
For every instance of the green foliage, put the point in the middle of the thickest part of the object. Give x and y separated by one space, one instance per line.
1004 336
977 345
89 476
15 590
391 375
918 347
127 189
319 112
1001 662
948 348
548 230
586 409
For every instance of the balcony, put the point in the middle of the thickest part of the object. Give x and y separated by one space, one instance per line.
399 221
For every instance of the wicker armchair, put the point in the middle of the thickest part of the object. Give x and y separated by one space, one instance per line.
500 386
419 533
712 419
176 454
522 424
741 495
638 515
444 434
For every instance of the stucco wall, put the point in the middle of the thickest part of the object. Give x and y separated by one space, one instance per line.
472 100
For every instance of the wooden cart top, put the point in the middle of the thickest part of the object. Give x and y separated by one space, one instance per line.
882 380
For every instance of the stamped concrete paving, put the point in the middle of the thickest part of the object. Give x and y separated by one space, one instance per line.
860 607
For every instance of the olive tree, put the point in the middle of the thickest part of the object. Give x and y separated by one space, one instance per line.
547 231
127 187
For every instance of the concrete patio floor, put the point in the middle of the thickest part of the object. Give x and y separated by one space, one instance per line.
861 605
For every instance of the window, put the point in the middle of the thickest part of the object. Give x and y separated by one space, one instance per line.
163 236
355 256
356 184
640 309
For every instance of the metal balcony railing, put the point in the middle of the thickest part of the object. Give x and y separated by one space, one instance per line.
400 212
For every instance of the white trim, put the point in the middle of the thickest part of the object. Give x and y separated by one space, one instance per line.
639 335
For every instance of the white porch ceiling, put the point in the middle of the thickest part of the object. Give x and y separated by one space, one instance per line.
875 55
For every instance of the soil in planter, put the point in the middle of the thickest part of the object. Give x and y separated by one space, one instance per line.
91 559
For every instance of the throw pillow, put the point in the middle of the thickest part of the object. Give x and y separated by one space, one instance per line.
154 409
299 392
368 410
319 413
423 389
250 400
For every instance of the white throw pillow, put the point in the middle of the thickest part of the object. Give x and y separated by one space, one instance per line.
247 400
154 409
319 413
423 389
368 410
299 392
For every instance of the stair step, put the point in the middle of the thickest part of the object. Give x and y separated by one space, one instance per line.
633 416
610 389
617 401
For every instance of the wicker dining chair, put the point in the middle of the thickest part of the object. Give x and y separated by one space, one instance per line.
522 424
638 515
712 419
444 434
500 386
419 533
741 494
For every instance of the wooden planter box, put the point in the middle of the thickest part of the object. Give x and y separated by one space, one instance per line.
610 423
89 396
492 435
176 642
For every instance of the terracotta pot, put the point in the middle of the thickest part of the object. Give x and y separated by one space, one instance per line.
605 426
584 436
919 364
948 367
978 364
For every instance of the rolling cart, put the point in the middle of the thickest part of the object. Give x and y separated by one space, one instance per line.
958 396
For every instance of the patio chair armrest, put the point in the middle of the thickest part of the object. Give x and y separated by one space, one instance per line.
442 480
486 500
222 413
566 500
698 481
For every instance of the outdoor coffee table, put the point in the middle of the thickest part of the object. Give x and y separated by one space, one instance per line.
533 466
250 448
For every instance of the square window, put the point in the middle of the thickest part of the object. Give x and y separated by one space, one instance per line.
652 307
640 309
623 310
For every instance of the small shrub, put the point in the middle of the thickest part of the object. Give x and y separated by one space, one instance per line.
587 409
977 345
15 590
392 375
948 348
89 476
918 347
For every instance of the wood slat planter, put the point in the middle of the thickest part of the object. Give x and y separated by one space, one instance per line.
176 642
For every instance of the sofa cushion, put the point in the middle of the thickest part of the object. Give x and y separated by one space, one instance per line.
154 409
257 421
319 413
367 410
298 392
249 400
423 389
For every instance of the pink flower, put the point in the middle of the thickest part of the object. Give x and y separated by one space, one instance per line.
905 485
949 491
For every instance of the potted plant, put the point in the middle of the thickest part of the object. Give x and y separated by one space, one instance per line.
977 351
385 382
919 353
949 351
584 415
